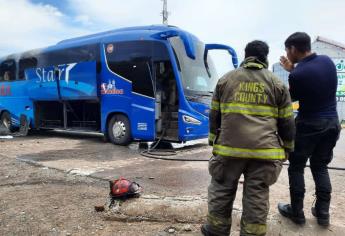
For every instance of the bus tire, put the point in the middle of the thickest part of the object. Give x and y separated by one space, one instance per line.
119 130
5 121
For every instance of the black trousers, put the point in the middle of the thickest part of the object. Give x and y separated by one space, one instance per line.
315 140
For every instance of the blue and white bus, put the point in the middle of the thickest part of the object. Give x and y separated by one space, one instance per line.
138 83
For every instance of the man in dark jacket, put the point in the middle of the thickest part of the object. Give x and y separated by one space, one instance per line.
313 82
251 129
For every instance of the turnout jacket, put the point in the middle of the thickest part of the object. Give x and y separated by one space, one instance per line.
251 114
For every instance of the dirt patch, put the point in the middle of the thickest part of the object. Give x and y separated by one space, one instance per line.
41 201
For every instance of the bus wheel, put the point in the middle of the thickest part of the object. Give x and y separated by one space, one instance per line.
119 130
5 121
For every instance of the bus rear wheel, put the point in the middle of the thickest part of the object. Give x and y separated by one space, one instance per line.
5 121
119 130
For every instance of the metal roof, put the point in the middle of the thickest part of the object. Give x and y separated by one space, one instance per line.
329 41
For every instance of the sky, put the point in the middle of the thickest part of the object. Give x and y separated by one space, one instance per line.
30 24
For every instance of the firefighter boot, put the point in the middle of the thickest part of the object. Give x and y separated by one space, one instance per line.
206 230
321 212
295 216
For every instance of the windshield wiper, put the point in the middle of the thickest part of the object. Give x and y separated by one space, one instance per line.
208 94
192 97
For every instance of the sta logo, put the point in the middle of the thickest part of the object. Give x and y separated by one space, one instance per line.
110 88
45 75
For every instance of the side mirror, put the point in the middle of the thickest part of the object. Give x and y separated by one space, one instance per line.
185 37
231 51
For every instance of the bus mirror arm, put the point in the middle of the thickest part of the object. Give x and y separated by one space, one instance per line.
186 39
231 51
206 64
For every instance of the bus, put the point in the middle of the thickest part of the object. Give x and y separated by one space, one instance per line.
138 83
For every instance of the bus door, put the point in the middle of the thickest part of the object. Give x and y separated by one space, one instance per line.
166 94
198 79
127 89
146 66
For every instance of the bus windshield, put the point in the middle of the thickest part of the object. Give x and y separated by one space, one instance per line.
195 79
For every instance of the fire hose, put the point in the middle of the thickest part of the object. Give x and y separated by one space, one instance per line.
158 154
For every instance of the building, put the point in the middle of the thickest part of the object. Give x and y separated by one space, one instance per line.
281 73
336 51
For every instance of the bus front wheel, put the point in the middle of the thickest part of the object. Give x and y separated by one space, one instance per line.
5 121
119 130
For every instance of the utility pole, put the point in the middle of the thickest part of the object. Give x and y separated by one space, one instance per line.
165 12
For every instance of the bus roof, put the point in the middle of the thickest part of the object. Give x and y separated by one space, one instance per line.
129 33
139 30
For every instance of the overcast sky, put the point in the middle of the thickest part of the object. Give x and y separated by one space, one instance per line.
29 24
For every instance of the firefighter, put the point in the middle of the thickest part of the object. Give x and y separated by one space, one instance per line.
251 130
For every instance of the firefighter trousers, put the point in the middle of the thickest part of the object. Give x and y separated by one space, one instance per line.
225 173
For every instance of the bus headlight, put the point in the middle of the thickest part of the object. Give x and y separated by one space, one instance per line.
190 120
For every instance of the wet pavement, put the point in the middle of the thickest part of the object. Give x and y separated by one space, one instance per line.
89 155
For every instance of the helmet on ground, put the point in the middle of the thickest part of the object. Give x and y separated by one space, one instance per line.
124 188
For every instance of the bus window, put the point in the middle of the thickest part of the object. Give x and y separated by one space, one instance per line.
69 55
8 70
133 61
26 63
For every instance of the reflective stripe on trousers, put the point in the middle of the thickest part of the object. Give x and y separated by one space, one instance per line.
266 154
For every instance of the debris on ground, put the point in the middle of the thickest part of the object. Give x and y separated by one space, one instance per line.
99 208
187 228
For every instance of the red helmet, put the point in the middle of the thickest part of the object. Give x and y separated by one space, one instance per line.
124 188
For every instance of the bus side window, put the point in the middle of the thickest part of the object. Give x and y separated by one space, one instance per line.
8 70
26 63
132 61
70 55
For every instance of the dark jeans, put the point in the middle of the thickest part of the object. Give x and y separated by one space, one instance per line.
315 140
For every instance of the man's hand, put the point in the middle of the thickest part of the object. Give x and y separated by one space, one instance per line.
286 64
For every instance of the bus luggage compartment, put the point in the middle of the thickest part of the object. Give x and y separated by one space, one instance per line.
72 115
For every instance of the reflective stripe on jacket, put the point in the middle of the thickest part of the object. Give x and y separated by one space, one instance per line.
251 114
